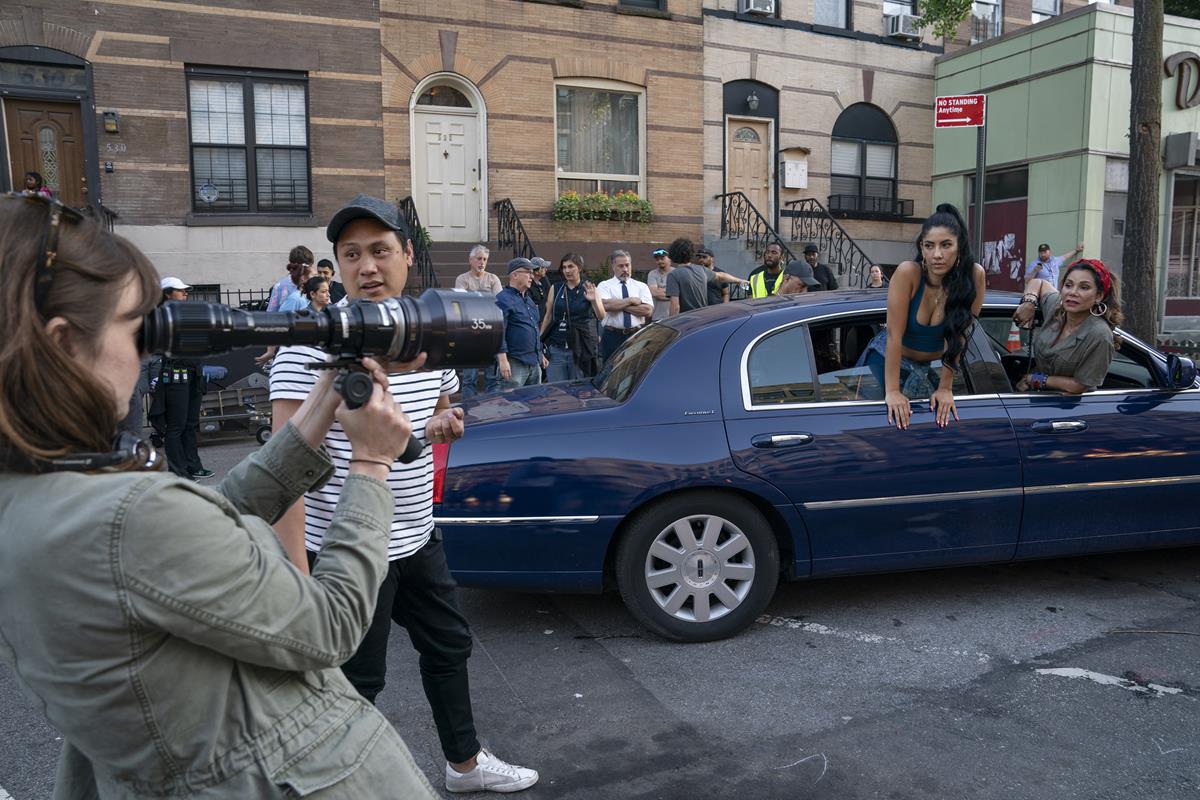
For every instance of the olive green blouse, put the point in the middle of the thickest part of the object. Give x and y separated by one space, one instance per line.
1084 355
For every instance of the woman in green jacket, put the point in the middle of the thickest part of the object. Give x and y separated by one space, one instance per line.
160 624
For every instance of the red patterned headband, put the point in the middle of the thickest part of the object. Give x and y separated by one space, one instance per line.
1097 266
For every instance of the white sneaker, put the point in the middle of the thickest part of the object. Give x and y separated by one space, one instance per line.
490 775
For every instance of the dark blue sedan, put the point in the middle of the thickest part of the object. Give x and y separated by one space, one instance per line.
727 448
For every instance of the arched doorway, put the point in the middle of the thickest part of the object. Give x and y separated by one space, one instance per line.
449 154
751 122
47 129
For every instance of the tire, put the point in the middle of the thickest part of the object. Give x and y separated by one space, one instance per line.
263 434
697 567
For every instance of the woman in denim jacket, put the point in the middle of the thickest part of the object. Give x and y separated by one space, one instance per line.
159 624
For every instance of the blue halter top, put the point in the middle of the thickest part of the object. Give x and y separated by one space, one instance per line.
923 338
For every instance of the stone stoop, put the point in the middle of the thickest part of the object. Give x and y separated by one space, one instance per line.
732 256
449 261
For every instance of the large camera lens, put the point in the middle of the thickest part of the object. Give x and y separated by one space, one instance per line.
454 329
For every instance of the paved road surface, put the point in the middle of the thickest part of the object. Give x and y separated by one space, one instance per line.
1005 682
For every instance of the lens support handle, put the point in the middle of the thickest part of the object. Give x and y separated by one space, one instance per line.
355 385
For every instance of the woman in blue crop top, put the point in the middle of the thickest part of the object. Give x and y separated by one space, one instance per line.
932 303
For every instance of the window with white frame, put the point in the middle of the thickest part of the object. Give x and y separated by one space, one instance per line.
1046 9
987 20
600 137
892 8
249 142
831 13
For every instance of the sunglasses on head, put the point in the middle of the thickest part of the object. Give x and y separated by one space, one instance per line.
48 247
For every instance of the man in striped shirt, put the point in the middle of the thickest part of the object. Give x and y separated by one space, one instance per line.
372 247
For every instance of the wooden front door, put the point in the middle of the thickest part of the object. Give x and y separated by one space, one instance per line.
47 138
748 162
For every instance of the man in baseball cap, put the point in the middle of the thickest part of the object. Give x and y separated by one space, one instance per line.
373 248
174 289
539 289
798 278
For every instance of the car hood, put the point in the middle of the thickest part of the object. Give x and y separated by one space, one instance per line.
544 400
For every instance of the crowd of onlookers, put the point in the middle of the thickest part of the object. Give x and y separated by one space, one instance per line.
570 328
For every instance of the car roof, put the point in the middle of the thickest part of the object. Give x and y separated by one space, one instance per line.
811 304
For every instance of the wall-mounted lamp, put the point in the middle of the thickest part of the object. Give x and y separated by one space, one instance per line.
112 122
752 102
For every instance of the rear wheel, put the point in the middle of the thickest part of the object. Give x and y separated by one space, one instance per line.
698 566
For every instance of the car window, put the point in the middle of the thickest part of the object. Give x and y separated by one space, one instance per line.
839 350
1131 367
780 369
625 370
784 368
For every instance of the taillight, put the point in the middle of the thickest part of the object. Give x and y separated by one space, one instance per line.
441 454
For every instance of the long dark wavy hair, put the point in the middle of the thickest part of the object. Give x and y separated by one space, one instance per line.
959 283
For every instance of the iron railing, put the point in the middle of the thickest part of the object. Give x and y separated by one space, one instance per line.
811 222
423 277
102 214
510 232
880 207
741 220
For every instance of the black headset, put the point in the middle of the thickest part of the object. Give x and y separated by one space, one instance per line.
128 449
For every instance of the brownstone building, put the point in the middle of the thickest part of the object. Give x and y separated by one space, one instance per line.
526 100
219 134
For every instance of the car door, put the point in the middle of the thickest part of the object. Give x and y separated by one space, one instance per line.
872 497
1111 469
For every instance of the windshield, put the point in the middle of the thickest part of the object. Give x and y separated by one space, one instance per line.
630 364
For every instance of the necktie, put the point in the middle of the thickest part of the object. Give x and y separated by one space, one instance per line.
626 320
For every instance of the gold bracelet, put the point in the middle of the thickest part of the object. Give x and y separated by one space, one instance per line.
387 464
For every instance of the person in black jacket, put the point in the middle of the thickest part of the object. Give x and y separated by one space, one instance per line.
181 386
812 254
569 325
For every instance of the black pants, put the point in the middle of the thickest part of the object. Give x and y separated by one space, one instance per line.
418 594
183 400
611 339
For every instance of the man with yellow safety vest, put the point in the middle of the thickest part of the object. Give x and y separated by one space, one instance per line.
766 279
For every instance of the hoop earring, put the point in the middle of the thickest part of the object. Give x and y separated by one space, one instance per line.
1103 309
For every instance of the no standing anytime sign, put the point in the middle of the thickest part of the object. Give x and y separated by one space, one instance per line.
959 111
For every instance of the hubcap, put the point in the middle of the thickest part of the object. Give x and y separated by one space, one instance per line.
700 568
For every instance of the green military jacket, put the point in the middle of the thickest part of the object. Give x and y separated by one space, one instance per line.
163 631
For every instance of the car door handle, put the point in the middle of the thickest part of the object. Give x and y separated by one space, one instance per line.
770 440
1060 426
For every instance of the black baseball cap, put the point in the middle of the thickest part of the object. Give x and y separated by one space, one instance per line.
366 207
704 251
659 252
810 248
1043 248
801 270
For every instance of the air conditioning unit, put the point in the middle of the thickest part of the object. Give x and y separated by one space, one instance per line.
902 26
758 7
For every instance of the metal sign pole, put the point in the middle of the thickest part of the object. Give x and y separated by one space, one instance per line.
980 181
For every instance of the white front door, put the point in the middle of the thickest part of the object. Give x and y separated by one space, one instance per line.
446 183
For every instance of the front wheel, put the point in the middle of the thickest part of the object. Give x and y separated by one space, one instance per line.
697 567
263 434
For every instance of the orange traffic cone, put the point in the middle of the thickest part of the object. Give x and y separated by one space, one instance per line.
1014 338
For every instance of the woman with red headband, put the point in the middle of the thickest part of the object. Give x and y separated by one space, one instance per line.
1074 347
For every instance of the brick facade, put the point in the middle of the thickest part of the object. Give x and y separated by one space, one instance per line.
515 53
818 73
138 52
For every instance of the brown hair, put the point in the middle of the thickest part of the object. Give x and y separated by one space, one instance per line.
50 404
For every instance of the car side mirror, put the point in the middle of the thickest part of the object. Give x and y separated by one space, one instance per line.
1181 372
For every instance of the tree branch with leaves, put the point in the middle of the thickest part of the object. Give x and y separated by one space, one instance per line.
944 16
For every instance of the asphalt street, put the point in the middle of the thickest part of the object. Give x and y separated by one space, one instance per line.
1058 679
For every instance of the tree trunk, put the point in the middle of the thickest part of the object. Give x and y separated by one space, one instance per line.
1140 262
